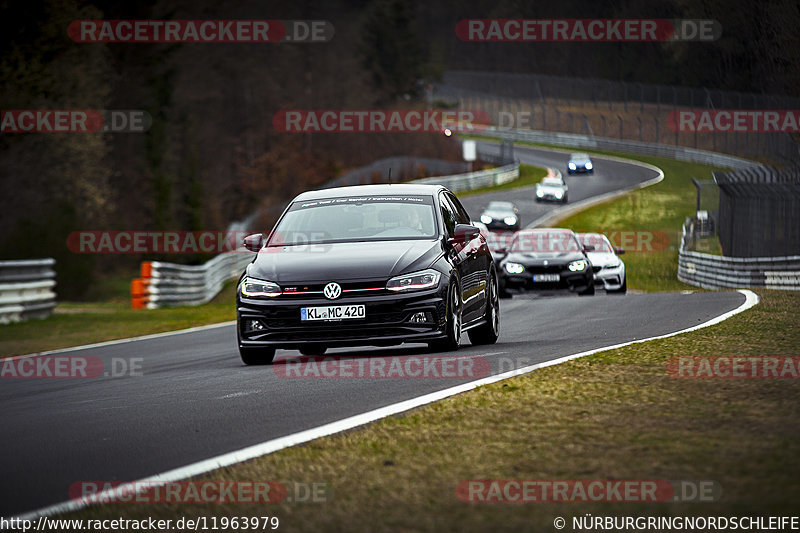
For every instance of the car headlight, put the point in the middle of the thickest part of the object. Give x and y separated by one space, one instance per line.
588 165
559 194
539 192
415 282
510 220
572 166
514 268
577 266
259 288
486 219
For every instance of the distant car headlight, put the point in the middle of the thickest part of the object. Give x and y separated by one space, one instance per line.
514 268
417 281
559 194
259 288
447 132
486 219
588 165
539 192
510 220
577 266
572 166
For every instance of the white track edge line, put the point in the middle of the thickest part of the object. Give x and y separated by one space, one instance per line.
264 448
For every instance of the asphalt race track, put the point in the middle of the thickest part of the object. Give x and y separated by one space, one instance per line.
193 398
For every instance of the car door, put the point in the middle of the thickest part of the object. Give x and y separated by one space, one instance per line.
475 265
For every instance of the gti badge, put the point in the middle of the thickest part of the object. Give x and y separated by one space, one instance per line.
332 291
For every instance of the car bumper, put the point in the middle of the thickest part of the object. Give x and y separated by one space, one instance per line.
571 282
610 278
550 198
500 225
386 321
580 170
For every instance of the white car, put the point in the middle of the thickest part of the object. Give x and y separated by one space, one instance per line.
609 270
552 188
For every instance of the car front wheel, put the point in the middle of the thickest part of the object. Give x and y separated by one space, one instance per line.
453 326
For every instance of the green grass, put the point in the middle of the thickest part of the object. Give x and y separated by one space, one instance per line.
614 415
74 324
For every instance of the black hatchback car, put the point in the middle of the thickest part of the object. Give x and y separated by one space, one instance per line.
546 260
367 265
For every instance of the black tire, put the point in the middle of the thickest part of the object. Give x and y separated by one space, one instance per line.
313 349
589 290
622 289
257 356
489 332
564 200
451 342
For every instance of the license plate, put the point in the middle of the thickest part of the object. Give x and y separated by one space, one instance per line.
332 312
546 277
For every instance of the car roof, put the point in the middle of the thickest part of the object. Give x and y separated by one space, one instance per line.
380 189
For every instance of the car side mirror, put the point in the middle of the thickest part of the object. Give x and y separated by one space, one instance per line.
464 233
619 251
588 248
254 242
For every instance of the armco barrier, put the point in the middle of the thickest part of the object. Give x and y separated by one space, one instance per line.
169 284
26 289
717 272
475 180
571 140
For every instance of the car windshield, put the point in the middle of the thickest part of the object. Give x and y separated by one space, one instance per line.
596 240
580 156
544 242
553 182
500 206
353 219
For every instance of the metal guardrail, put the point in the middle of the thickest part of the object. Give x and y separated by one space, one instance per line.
26 289
165 284
573 140
717 272
475 180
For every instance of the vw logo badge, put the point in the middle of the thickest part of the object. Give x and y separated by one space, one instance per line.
332 291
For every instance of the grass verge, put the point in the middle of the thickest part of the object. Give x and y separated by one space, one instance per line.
75 324
615 415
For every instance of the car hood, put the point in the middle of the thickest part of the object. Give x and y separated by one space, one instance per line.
551 187
537 258
579 161
603 259
343 261
498 215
